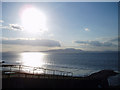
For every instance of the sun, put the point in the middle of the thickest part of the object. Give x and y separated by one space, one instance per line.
33 20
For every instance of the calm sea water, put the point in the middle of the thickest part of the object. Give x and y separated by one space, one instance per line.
80 64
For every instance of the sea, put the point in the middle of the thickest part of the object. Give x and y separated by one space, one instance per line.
80 64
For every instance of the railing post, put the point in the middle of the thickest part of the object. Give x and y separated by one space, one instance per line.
19 68
33 70
10 69
44 71
53 72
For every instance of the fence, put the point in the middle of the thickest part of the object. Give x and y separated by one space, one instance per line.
27 70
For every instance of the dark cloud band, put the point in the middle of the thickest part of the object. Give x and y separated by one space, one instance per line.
46 43
96 43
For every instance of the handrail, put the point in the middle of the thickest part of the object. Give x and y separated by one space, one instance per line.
54 72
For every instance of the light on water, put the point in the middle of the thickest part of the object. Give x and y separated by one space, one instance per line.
33 59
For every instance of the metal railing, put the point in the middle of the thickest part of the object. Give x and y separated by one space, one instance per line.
22 69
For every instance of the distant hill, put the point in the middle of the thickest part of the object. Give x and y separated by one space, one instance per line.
72 50
67 50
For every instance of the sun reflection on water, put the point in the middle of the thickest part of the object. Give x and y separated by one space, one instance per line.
33 59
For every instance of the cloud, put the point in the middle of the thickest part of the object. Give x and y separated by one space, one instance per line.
81 42
51 35
1 21
37 42
14 27
96 43
86 29
116 39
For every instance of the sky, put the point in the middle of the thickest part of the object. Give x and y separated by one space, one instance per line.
90 26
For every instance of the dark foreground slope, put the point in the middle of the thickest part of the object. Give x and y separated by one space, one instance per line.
48 83
95 80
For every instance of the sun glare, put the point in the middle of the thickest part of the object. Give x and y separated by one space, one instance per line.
33 20
34 59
